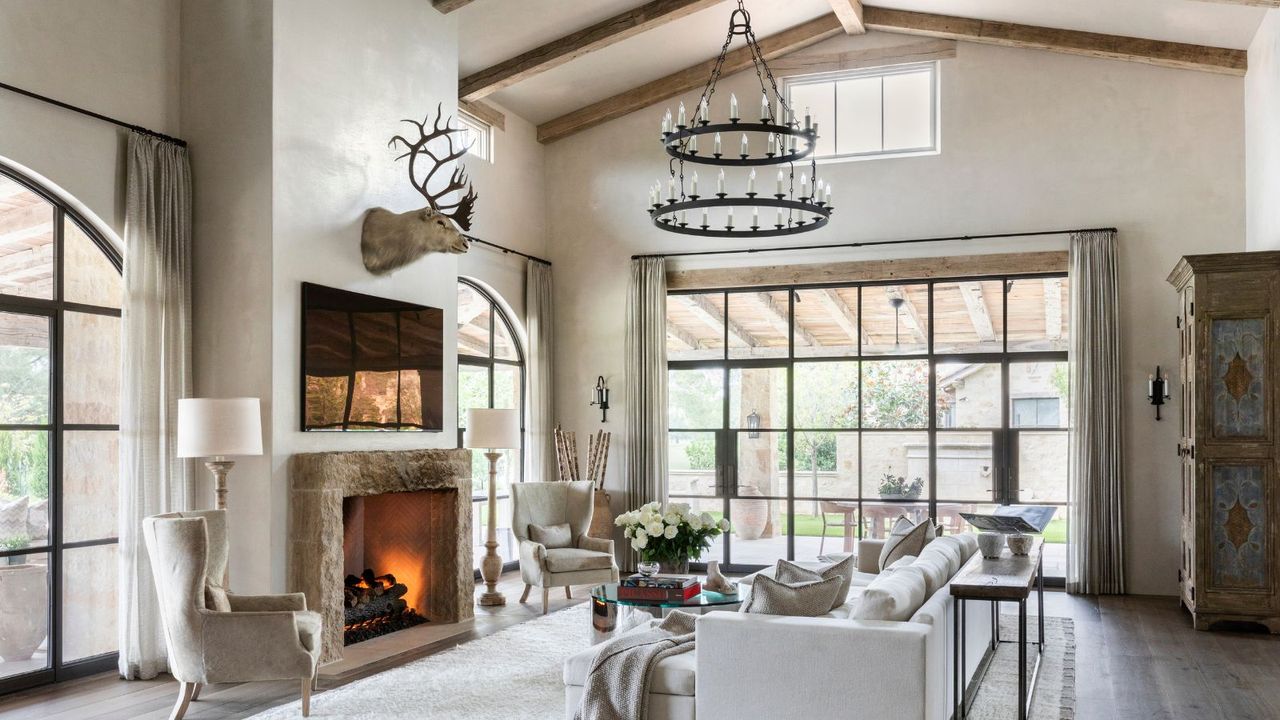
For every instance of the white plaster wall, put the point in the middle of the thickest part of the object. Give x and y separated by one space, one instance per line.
226 111
1031 140
115 57
1262 136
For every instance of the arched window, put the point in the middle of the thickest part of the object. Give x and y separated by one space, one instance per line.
490 375
60 299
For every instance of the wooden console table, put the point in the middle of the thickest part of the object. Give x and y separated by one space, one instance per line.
1007 579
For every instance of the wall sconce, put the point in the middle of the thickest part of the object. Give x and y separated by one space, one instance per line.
1158 389
602 399
753 425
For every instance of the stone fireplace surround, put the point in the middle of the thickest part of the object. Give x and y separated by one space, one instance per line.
318 482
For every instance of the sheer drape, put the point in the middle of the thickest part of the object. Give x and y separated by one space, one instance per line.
646 400
540 462
1096 552
157 371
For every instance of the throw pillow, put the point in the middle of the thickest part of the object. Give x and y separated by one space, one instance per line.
552 536
892 596
968 544
906 538
790 573
803 599
937 570
38 522
215 598
950 548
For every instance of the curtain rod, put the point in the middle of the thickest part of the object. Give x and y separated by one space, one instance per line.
97 116
750 251
507 250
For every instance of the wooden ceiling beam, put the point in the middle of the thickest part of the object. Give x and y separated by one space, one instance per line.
1255 3
684 337
714 318
576 44
777 317
842 315
976 304
1183 56
850 14
691 78
448 6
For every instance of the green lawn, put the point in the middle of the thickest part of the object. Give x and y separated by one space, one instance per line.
811 526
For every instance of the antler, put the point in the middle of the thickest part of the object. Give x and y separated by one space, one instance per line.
461 210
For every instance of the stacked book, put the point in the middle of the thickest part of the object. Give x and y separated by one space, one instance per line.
658 588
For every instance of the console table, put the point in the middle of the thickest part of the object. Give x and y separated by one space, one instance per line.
1010 578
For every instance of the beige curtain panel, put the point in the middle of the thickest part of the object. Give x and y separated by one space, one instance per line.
1095 561
646 399
540 462
157 371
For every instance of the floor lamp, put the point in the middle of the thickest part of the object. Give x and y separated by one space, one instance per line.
218 428
492 430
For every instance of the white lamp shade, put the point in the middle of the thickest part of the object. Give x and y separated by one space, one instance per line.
493 429
212 427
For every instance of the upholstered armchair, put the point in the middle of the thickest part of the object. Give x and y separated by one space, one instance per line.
550 554
215 636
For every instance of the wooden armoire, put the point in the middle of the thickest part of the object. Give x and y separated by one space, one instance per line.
1229 324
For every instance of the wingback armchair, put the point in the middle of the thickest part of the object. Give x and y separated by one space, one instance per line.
577 559
214 636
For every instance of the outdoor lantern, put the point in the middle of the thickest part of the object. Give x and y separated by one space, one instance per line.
753 425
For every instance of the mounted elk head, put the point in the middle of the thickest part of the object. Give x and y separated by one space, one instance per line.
391 240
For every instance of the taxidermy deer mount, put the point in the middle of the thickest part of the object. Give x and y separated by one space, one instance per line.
391 240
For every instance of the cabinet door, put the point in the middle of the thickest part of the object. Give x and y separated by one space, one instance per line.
1238 513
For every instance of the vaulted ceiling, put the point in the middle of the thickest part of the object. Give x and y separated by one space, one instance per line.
494 31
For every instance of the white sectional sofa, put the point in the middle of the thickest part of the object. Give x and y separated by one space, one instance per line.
821 667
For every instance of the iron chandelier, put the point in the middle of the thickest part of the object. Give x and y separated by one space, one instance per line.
783 139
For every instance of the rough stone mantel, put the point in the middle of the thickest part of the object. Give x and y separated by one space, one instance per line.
317 484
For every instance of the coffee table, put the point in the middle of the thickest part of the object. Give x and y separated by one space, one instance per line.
605 605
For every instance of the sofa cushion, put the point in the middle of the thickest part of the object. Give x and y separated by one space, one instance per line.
803 599
936 568
790 573
896 595
968 544
551 536
562 560
949 546
907 538
674 675
859 579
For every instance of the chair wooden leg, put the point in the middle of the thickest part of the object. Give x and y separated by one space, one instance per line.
546 599
525 596
568 595
195 694
306 697
185 690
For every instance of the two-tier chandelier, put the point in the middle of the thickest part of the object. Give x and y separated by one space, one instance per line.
774 140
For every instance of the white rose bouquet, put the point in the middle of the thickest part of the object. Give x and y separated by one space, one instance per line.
672 536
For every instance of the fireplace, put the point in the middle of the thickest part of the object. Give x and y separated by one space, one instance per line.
404 514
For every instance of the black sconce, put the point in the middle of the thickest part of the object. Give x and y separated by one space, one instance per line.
1158 389
602 399
753 425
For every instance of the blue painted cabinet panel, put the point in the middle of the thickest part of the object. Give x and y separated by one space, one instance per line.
1238 377
1238 527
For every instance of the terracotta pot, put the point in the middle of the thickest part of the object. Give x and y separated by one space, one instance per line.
601 517
24 604
750 516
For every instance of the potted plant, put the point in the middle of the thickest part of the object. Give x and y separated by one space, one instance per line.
669 538
896 487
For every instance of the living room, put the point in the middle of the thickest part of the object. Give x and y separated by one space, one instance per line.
348 346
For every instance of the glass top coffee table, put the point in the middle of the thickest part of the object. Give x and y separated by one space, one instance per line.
605 605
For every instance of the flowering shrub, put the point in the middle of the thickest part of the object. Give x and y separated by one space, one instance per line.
673 535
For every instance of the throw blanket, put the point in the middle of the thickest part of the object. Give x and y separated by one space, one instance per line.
617 686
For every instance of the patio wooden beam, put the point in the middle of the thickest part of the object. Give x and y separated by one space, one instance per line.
976 304
576 44
842 315
684 337
777 317
714 318
850 14
448 6
912 320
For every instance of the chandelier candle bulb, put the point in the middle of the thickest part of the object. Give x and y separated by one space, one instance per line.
693 185
704 218
680 116
717 145
780 193
729 220
693 144
804 185
751 183
702 111
755 217
745 151
720 183
827 193
733 106
764 106
808 121
682 222
779 223
671 189
666 122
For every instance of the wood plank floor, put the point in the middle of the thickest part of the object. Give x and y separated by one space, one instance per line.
1136 657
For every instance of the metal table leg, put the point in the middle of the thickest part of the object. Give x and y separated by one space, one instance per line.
1040 592
1022 660
956 681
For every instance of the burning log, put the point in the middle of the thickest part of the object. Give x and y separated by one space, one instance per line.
375 606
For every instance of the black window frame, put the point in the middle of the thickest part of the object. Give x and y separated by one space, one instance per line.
55 310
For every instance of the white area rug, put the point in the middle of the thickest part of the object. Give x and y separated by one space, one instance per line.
515 674
1055 695
512 674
